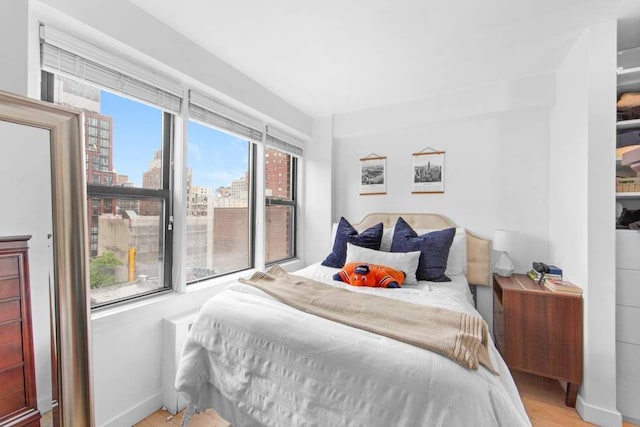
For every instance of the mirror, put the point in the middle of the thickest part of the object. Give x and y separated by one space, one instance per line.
70 349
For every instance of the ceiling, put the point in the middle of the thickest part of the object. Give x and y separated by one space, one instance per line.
337 56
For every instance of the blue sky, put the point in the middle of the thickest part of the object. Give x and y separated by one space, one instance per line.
215 157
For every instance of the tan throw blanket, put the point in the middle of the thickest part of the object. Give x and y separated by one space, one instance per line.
458 336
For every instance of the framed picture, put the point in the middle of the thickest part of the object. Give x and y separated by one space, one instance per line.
373 178
428 172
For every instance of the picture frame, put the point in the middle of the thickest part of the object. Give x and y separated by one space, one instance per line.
373 175
428 172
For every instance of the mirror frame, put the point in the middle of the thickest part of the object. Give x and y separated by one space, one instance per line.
70 306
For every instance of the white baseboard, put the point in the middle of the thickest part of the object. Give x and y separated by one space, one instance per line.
631 420
598 416
136 413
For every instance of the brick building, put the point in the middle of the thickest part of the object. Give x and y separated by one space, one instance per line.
279 221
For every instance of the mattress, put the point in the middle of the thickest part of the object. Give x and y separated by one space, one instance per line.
259 362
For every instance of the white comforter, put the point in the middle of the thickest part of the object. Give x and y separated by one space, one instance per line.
259 362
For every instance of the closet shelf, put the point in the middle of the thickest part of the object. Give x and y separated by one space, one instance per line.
628 124
628 195
629 80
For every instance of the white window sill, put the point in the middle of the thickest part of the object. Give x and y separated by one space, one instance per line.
137 304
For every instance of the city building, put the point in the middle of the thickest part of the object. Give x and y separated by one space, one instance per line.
98 138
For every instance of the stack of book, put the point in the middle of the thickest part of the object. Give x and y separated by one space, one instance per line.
559 285
554 273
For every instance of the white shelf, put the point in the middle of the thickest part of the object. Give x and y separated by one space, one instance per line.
628 195
622 72
628 124
628 80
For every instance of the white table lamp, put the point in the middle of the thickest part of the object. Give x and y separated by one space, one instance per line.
503 242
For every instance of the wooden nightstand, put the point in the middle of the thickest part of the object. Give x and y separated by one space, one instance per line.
539 331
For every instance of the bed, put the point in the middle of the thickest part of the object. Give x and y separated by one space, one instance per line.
260 362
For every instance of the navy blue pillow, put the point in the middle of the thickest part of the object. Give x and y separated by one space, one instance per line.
434 249
369 238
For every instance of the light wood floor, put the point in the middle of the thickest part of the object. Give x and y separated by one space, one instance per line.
543 399
162 418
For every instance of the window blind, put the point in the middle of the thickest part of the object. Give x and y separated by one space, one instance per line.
280 141
209 111
66 55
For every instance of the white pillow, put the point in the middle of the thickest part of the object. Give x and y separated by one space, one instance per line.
403 261
457 261
387 238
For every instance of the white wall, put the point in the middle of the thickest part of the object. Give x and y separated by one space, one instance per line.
32 212
14 15
582 209
25 186
495 141
128 355
317 201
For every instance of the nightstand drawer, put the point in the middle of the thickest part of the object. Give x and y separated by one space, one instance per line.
542 335
541 330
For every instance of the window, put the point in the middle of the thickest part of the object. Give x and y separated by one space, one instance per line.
128 224
93 143
219 194
280 212
129 120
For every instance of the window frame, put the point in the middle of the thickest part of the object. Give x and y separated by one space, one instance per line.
275 201
115 191
251 201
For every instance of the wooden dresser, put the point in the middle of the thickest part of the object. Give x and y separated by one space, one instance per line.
18 401
539 331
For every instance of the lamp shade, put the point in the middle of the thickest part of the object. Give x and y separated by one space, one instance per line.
504 240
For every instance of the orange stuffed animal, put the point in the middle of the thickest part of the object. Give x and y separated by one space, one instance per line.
373 275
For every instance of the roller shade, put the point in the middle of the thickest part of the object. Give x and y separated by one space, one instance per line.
283 142
65 55
209 111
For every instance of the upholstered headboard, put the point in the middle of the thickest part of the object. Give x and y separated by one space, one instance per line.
478 249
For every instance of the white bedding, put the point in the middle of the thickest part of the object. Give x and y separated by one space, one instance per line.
259 362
